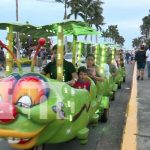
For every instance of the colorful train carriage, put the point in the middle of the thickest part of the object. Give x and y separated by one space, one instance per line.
37 110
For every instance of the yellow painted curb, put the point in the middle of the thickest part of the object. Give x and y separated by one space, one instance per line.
130 130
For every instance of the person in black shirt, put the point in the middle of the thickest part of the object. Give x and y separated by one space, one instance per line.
69 71
140 58
2 59
127 57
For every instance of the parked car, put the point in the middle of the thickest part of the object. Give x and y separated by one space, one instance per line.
68 57
81 62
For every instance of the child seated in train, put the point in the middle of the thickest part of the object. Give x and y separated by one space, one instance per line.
82 82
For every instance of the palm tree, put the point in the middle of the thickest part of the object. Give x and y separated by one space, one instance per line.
145 27
90 11
148 42
65 5
120 40
145 31
136 42
113 32
81 8
105 34
97 18
75 8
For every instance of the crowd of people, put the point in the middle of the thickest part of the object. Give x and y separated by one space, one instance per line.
130 57
41 59
142 57
77 79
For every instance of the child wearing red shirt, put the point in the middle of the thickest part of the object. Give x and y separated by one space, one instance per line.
82 82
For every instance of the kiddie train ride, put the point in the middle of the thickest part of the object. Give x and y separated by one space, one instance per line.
36 110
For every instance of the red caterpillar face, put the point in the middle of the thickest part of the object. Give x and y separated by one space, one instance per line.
29 91
8 111
25 92
6 88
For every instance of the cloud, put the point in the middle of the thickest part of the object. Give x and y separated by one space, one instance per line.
127 14
36 12
129 29
123 4
128 24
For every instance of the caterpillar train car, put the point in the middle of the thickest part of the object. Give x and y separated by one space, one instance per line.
37 110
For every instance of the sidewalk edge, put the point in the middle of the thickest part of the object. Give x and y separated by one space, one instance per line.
129 137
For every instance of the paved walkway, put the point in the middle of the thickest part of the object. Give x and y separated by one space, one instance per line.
137 128
143 99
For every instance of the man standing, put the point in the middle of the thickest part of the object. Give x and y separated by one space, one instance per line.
69 70
148 61
140 58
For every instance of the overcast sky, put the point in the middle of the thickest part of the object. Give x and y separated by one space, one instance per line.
127 14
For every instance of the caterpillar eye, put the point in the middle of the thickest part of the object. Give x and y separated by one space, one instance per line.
60 104
25 101
59 111
55 109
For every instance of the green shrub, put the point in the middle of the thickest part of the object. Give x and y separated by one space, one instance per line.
24 61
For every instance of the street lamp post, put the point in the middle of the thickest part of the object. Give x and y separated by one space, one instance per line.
17 17
65 17
65 14
17 35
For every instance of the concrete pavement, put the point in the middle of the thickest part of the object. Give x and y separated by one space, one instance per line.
143 100
129 140
137 129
